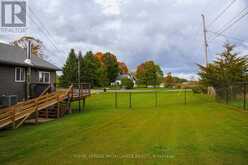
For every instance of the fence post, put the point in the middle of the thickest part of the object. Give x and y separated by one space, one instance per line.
84 100
156 99
79 96
244 106
185 96
116 100
130 100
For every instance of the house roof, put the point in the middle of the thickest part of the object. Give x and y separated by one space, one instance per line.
16 56
121 76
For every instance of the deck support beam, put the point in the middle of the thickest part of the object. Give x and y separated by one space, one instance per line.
36 116
84 104
58 110
47 113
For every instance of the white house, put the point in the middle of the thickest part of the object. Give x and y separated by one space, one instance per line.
129 75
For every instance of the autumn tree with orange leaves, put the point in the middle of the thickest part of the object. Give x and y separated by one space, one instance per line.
149 73
123 68
99 69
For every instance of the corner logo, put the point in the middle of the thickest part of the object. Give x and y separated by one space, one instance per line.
13 16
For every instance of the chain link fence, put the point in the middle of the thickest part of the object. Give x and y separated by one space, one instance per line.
235 95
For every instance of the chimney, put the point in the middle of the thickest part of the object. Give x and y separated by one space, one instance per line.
29 53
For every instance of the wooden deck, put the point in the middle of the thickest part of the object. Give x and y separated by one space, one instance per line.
17 114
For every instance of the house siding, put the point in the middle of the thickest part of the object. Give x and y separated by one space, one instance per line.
8 86
35 75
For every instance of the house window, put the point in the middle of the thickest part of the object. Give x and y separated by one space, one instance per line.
44 77
19 74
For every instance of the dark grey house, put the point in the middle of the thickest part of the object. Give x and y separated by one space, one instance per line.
15 64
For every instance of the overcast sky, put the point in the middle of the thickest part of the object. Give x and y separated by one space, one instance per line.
166 31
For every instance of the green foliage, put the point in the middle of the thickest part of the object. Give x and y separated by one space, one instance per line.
149 73
228 69
127 83
111 66
169 80
199 89
179 80
69 70
91 70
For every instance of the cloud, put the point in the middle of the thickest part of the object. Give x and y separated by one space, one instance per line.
169 32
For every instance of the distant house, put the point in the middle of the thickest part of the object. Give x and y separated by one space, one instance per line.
130 76
15 64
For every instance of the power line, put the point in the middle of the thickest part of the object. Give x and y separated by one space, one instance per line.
235 20
45 30
227 36
40 29
44 48
222 12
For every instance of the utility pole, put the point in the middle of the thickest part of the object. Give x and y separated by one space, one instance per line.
205 39
79 85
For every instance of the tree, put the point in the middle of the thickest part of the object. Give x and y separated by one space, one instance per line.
97 69
160 74
123 68
100 56
228 69
37 45
127 83
169 80
91 69
111 66
149 73
70 70
179 80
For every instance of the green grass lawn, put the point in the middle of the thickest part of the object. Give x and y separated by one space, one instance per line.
200 132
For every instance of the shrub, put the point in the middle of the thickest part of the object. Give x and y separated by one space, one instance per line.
127 83
199 89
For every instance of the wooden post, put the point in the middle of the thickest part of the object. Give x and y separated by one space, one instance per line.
156 99
84 104
58 110
72 93
116 100
46 113
69 99
13 117
69 106
244 96
185 96
79 96
130 100
58 107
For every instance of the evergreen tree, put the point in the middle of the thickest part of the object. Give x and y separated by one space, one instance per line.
91 69
69 70
228 69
